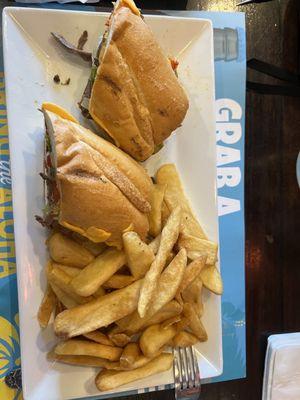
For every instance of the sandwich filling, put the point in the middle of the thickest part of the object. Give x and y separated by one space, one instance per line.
52 195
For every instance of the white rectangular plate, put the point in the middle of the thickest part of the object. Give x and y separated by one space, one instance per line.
32 58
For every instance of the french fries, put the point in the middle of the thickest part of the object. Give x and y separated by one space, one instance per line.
165 213
140 362
107 380
195 323
190 273
118 281
71 271
98 313
58 308
92 247
130 355
169 282
99 337
95 248
192 294
165 291
47 307
211 279
64 250
170 310
76 347
138 254
174 197
182 324
120 339
184 339
170 321
97 272
123 322
169 236
83 361
196 247
155 337
134 323
154 244
99 292
63 298
59 278
156 202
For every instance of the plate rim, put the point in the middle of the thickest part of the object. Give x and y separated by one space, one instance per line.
7 14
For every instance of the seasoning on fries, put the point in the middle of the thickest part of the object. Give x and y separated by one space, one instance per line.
169 236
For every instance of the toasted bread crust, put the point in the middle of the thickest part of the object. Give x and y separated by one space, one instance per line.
100 186
136 96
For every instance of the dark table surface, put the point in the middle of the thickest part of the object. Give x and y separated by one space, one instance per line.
272 208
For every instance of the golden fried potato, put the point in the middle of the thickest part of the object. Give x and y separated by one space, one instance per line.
154 244
184 339
170 310
64 250
59 278
165 291
171 321
165 213
118 281
99 292
196 247
71 271
98 313
155 337
195 323
83 361
97 272
77 347
92 247
175 196
157 197
108 380
193 291
120 339
212 279
169 237
133 358
193 294
130 355
98 337
138 254
47 307
191 272
58 308
65 299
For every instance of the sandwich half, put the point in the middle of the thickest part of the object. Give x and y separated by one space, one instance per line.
135 97
93 188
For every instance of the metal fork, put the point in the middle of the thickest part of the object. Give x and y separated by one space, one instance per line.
186 374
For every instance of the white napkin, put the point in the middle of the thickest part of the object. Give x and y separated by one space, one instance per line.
282 368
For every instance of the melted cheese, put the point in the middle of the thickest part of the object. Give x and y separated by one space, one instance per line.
61 112
94 234
130 4
129 228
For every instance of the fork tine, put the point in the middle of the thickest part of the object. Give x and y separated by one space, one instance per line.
176 369
182 366
186 374
190 366
196 368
